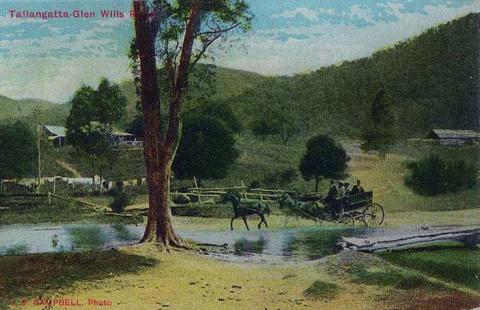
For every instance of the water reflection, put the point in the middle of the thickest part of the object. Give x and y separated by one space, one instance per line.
86 238
295 243
244 246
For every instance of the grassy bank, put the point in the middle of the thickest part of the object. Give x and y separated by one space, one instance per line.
145 278
57 212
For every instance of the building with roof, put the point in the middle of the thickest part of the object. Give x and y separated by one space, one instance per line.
454 137
56 134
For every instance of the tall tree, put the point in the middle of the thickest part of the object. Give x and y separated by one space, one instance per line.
380 135
177 34
18 151
91 120
207 149
324 158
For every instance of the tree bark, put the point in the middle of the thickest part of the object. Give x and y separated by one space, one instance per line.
157 156
159 149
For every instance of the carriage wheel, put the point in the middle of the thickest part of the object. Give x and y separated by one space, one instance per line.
348 219
373 215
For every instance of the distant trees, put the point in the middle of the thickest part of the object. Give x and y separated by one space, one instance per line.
207 149
433 175
18 152
380 134
275 114
324 158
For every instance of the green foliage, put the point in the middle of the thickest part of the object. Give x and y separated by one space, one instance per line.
243 246
433 175
321 289
93 114
432 80
120 201
324 158
17 249
275 114
281 177
207 149
18 152
380 136
91 121
220 111
15 109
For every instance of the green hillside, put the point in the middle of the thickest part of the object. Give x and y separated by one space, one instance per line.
432 79
13 109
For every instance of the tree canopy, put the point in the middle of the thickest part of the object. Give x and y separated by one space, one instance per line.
207 149
18 152
324 158
379 135
93 115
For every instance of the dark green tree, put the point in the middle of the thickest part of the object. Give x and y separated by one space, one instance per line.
380 135
18 152
324 158
207 149
93 114
91 120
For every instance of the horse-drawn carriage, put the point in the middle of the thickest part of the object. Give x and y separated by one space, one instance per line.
348 210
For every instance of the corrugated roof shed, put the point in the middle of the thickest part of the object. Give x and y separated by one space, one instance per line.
454 134
56 130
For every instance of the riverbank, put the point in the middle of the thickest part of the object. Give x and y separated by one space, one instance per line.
144 277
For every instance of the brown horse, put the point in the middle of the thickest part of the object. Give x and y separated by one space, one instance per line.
244 209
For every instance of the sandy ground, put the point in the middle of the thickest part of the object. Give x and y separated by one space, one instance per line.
184 280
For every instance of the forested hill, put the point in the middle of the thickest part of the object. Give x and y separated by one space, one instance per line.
11 108
432 79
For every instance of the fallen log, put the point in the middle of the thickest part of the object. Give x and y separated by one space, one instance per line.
401 240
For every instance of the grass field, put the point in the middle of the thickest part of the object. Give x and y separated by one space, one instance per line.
264 161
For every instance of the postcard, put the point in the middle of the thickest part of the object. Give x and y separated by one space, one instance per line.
239 154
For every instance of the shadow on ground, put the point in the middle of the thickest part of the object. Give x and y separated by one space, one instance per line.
33 275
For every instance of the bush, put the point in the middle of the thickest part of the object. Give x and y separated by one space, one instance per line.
120 200
321 289
433 175
281 177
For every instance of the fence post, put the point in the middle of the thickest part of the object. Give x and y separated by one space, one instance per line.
198 190
244 190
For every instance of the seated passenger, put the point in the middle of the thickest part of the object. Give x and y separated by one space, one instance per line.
347 189
332 192
341 190
357 189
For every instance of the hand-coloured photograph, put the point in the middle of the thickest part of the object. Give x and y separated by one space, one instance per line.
240 154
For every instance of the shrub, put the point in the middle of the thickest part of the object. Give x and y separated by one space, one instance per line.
120 200
433 175
321 289
281 177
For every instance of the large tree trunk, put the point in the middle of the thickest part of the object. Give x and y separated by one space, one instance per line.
159 149
157 155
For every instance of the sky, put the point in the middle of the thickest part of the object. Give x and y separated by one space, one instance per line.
49 59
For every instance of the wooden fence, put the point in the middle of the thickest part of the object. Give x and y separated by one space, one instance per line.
215 194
